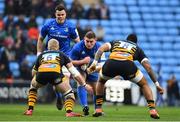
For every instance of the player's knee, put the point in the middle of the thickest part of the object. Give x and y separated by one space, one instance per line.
142 82
32 90
33 85
69 94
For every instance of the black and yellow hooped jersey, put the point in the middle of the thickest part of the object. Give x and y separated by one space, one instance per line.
51 61
126 50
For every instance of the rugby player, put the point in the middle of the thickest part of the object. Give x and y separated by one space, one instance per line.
48 69
82 54
62 30
120 62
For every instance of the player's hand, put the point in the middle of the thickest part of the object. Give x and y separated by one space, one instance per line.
87 60
160 89
89 88
91 69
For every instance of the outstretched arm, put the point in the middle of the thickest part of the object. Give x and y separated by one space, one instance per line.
152 75
77 76
100 51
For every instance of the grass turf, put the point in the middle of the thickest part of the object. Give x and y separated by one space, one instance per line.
14 112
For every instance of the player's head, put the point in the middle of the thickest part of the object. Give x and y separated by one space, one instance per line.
53 44
132 38
60 13
90 39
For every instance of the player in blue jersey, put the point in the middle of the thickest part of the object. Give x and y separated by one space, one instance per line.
82 54
62 30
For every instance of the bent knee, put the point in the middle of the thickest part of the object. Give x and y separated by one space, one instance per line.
142 82
69 94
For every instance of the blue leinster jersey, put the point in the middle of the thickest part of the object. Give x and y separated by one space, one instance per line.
80 51
64 33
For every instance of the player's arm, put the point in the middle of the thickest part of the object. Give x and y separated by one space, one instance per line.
77 76
100 51
42 35
75 57
40 45
36 65
77 39
75 73
83 61
75 35
146 64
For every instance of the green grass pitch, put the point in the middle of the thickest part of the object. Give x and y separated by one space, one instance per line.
14 112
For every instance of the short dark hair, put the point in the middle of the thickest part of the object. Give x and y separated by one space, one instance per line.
60 7
132 38
90 35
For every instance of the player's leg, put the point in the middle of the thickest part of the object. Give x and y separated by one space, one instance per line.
141 81
69 102
32 96
99 98
59 96
82 95
91 80
104 75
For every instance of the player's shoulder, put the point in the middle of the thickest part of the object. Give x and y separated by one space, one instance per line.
98 44
70 24
79 45
49 21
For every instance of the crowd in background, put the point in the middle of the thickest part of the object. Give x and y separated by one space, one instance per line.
19 35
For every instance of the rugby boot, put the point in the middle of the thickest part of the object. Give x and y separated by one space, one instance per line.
28 112
86 110
73 114
98 113
154 114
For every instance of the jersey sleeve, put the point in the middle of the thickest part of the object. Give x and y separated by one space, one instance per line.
75 53
111 43
64 59
74 32
37 63
139 55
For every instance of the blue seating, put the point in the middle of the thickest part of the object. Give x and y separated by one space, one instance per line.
105 23
39 20
2 6
121 8
14 68
147 16
30 59
160 23
161 31
149 23
68 1
74 21
133 9
167 46
84 22
135 16
140 30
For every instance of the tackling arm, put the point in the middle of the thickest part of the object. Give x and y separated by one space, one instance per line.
77 76
101 50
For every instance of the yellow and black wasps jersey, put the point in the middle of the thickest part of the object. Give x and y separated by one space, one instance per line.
126 50
51 61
